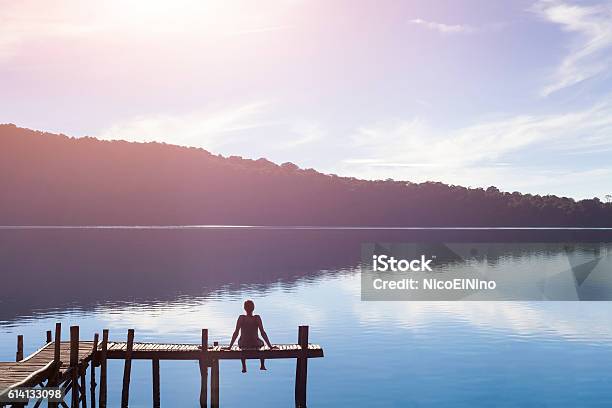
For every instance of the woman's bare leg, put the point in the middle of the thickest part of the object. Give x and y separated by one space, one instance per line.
262 365
243 360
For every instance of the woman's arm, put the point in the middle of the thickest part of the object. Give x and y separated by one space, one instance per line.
263 332
236 331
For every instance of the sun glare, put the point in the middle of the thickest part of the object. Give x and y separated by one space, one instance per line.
210 16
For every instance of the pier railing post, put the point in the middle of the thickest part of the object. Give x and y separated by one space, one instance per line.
19 354
127 370
92 379
301 368
54 378
156 391
49 336
74 365
57 344
214 380
204 370
104 348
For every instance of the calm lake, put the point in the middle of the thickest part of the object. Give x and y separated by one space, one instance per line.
168 284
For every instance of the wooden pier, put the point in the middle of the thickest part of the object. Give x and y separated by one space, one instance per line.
65 364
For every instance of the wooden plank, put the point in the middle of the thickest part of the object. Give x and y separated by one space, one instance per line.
28 378
127 369
236 353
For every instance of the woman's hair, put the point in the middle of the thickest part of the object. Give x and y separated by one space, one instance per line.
249 306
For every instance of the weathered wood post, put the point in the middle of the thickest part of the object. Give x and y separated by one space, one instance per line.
102 397
74 365
204 370
19 354
156 392
53 380
127 369
92 379
82 387
57 344
214 380
301 368
49 336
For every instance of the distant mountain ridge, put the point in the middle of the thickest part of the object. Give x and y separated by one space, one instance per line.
49 179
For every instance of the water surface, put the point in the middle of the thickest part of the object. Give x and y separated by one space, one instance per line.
168 284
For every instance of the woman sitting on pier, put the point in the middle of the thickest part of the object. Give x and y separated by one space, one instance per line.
248 325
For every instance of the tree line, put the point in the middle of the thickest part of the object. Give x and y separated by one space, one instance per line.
49 179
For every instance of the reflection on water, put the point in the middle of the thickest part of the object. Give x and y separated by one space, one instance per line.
168 285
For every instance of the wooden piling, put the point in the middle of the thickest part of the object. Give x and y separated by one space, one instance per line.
301 368
57 343
204 370
19 354
92 378
49 336
127 369
214 381
83 387
54 378
103 362
74 365
156 392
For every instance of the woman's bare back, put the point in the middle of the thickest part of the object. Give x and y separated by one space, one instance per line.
249 331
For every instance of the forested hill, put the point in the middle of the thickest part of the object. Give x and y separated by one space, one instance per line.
48 179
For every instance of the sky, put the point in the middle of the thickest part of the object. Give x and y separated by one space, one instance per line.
514 94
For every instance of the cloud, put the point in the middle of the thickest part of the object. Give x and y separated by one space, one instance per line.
202 128
587 57
246 130
443 28
304 133
415 143
493 152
